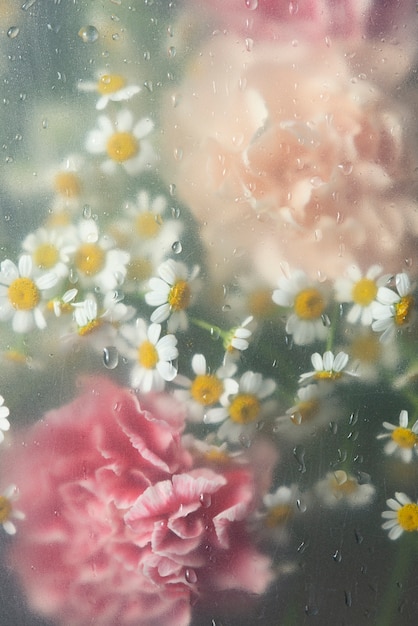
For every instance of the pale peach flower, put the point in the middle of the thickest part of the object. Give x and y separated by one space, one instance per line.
292 153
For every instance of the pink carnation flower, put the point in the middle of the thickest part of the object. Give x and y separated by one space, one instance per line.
120 527
295 154
275 18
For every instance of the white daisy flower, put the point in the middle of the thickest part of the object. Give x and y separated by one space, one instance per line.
4 422
205 389
66 180
309 301
63 304
172 294
111 88
7 510
340 487
124 143
281 507
311 411
402 516
327 367
242 406
237 338
86 316
402 440
21 294
147 229
361 290
100 323
96 262
394 309
49 251
153 355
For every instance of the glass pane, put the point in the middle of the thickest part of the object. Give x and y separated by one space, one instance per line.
208 388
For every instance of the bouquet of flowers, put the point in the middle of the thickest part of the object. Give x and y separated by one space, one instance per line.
208 292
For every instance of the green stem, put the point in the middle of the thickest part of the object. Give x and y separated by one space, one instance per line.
389 614
211 328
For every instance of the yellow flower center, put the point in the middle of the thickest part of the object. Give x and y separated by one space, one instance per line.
46 256
364 291
404 437
89 327
206 389
67 184
122 147
244 408
23 294
278 515
5 509
110 83
216 455
148 225
306 411
139 269
179 295
148 355
403 310
327 375
309 304
89 259
408 517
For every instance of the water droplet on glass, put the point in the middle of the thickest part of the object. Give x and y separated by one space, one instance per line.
311 609
110 357
178 154
358 536
316 181
177 247
226 308
293 7
28 4
325 320
337 556
348 598
86 212
299 454
353 419
249 44
13 32
190 576
346 168
301 505
148 84
44 123
205 500
251 4
72 276
172 189
244 440
175 212
172 52
214 333
88 34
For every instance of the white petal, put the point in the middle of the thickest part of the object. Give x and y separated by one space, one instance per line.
199 364
154 332
317 362
403 419
160 314
143 128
